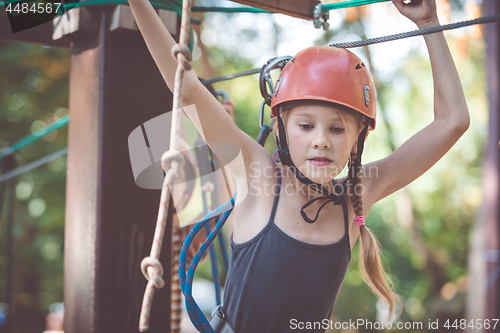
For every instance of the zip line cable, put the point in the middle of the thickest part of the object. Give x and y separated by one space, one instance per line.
352 3
35 136
33 165
200 9
419 32
231 76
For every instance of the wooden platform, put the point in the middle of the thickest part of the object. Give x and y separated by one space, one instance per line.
296 8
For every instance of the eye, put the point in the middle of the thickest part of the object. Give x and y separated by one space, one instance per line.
337 129
306 126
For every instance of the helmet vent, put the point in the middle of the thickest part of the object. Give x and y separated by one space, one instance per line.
360 66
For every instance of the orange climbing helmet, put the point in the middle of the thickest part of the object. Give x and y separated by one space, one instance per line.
330 74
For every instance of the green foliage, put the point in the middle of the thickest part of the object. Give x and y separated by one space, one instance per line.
34 92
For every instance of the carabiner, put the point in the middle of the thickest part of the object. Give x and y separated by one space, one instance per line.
266 81
261 118
223 94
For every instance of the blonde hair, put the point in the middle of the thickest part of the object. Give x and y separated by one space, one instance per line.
370 265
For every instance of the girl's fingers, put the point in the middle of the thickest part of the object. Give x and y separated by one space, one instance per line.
229 106
399 4
417 10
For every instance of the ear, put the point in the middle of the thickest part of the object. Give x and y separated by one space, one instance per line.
355 147
354 151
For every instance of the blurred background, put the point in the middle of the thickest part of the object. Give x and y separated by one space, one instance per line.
424 229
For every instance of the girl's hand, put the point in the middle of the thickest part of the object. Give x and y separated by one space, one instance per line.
421 12
229 106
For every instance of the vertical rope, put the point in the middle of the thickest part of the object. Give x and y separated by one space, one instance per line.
151 266
172 163
182 53
176 299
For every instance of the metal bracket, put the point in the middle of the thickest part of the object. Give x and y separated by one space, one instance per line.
321 17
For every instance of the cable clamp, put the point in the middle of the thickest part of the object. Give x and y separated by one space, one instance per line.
321 17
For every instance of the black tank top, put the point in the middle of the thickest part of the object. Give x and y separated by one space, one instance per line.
275 281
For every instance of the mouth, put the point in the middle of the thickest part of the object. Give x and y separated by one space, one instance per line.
320 161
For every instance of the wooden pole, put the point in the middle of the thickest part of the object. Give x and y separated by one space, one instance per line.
114 87
491 170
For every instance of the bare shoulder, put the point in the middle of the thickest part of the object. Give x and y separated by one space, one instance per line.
252 210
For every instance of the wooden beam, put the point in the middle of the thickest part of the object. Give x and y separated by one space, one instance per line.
491 166
115 86
297 8
77 22
41 34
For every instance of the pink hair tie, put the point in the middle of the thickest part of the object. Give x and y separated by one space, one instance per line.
360 220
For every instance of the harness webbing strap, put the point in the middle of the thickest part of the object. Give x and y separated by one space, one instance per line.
186 280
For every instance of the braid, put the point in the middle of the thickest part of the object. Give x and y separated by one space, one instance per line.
354 167
369 255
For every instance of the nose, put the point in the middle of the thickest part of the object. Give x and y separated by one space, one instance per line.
320 141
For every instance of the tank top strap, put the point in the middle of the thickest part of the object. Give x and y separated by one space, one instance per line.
346 214
346 219
275 205
276 197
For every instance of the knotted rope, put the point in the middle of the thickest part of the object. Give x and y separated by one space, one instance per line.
172 163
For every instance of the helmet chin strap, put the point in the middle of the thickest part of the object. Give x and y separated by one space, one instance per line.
285 159
284 155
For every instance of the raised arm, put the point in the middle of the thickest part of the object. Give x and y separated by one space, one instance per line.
451 116
214 122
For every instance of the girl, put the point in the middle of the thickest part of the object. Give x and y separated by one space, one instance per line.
288 262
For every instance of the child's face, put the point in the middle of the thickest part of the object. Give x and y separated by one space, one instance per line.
320 143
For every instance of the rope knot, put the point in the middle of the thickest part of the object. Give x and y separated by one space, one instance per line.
186 57
155 273
208 187
173 156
